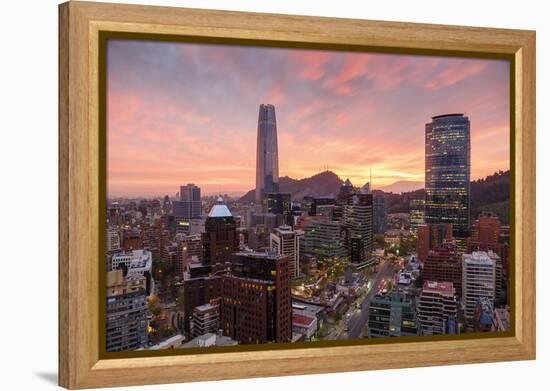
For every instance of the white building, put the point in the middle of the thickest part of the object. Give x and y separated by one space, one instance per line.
478 280
304 325
285 241
113 240
137 263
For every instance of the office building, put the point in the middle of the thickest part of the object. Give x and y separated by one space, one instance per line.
113 240
478 281
392 315
357 219
444 264
267 159
220 239
448 174
196 292
486 236
188 206
380 212
286 241
437 303
432 236
205 319
416 214
256 302
126 312
324 239
280 204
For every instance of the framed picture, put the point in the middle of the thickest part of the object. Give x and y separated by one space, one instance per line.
248 195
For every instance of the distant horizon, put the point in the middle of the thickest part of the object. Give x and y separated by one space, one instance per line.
240 194
182 112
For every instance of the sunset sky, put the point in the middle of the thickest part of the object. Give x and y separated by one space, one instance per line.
182 113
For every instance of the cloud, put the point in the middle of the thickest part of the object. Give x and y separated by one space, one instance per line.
180 113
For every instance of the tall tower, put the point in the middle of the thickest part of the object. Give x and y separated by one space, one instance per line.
448 174
220 239
267 155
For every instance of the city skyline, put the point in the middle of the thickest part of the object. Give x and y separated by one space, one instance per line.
336 108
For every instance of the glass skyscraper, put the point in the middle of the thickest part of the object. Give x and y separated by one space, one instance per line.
267 155
448 174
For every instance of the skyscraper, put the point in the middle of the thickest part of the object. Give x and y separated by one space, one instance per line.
478 280
286 241
448 174
220 239
357 213
267 159
189 204
256 300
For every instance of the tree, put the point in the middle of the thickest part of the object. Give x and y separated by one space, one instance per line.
153 304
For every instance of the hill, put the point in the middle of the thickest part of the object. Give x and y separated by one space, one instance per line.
325 183
402 186
490 194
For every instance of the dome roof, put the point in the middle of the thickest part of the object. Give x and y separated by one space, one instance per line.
220 209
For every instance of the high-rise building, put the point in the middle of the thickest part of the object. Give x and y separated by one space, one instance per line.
380 212
431 236
188 206
126 312
416 214
392 315
486 237
286 241
357 211
196 292
280 204
220 238
448 174
478 281
256 301
267 155
444 264
324 239
205 319
436 305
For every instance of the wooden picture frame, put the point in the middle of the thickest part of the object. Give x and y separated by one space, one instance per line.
80 25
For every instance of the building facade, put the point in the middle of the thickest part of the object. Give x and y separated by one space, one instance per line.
432 236
392 315
357 218
324 239
126 312
444 264
447 173
267 154
220 239
436 305
478 281
256 302
189 204
286 241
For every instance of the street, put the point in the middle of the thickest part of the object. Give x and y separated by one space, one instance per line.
360 316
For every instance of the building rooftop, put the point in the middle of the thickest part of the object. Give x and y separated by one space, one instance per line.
303 320
480 257
209 339
444 288
205 307
220 209
448 115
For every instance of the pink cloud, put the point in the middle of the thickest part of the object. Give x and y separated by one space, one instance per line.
312 63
